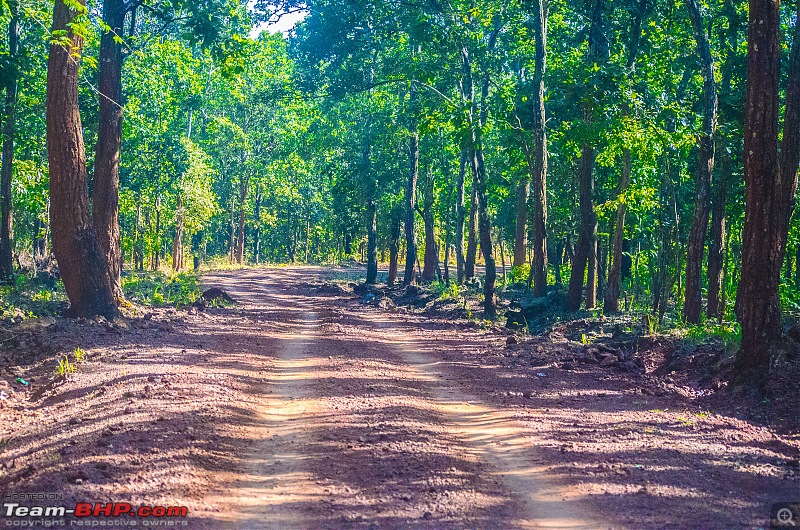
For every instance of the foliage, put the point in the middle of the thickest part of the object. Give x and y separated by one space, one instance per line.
159 289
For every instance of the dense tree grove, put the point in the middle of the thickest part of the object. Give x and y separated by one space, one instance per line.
641 155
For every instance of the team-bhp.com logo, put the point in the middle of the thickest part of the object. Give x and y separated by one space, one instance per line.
87 514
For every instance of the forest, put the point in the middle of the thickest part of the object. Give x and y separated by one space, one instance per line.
598 145
603 191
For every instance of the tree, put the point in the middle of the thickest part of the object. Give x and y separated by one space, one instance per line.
586 249
770 186
9 130
705 168
84 271
611 298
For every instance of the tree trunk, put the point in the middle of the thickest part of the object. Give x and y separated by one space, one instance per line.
692 307
480 181
372 241
472 234
716 249
105 191
84 269
485 231
243 188
394 249
257 226
431 258
611 299
177 242
588 231
459 215
586 250
521 233
411 193
372 208
7 170
770 186
539 268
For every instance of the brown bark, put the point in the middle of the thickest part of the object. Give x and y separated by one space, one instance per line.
459 215
84 269
716 248
539 174
692 307
770 186
372 208
613 291
244 186
411 193
394 249
177 242
105 194
587 235
472 223
521 231
6 172
431 258
586 249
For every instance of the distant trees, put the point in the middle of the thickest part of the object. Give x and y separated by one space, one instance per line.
607 144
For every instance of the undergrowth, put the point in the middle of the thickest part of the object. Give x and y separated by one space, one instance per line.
159 289
31 296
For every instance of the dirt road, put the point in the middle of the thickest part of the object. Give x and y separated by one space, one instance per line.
359 424
298 410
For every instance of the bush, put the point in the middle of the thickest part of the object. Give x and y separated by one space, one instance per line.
520 274
156 288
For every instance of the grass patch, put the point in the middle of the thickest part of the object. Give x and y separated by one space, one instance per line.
31 296
66 367
158 289
729 333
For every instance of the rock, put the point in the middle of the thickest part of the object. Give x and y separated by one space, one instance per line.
569 366
515 320
533 307
360 289
34 324
609 360
414 291
385 303
793 463
589 357
512 340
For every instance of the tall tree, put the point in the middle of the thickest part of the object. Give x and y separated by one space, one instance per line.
9 130
586 249
105 195
611 298
411 189
84 270
539 166
770 186
692 307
